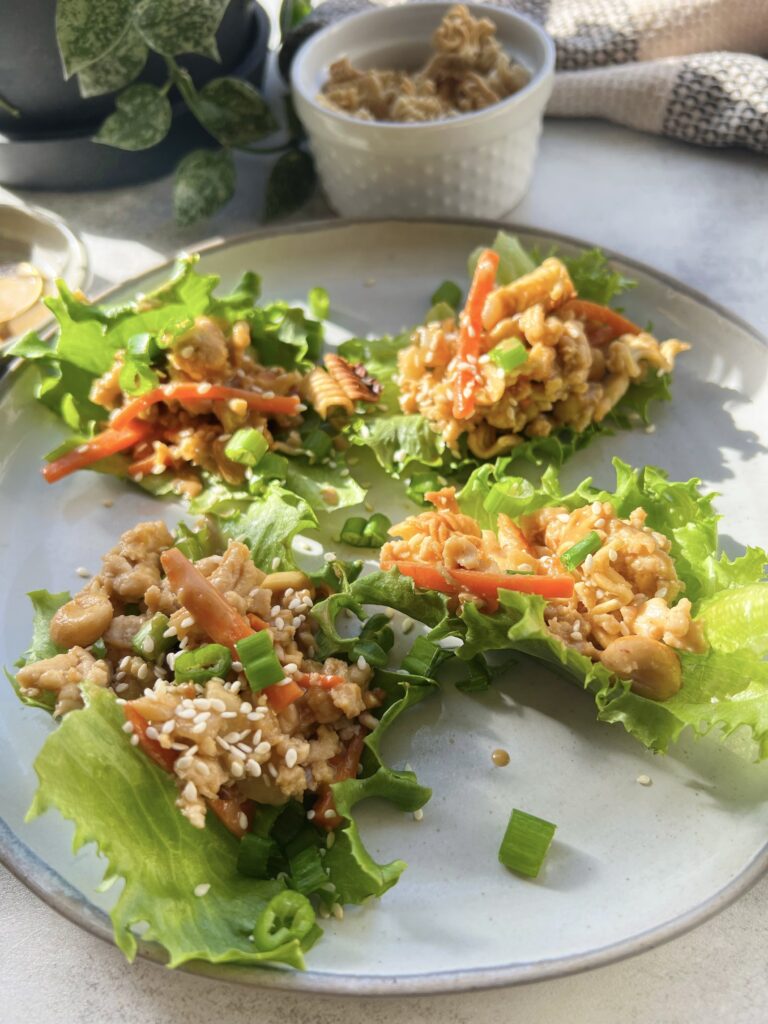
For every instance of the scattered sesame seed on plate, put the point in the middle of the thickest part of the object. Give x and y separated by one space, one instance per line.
418 815
644 780
82 571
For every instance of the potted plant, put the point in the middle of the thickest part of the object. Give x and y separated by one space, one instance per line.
145 82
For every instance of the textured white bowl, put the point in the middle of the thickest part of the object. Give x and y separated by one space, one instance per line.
474 165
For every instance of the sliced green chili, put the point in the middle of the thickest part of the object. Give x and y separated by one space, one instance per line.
259 660
287 916
579 552
353 531
211 661
149 642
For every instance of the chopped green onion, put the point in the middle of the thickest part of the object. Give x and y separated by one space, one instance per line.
254 855
305 837
273 467
288 823
478 677
287 916
247 446
377 529
449 293
525 843
149 642
438 313
376 640
195 544
211 661
319 303
424 657
317 444
307 872
99 649
264 818
362 533
372 652
353 531
586 546
509 355
259 660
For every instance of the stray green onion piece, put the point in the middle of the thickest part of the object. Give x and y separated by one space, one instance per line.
317 444
211 661
259 660
254 855
509 355
99 649
449 293
247 446
424 658
307 872
362 533
579 552
150 643
525 843
274 467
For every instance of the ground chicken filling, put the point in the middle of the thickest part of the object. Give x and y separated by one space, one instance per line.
226 746
626 610
468 71
192 433
577 362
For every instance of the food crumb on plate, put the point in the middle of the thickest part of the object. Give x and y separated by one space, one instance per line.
500 757
644 780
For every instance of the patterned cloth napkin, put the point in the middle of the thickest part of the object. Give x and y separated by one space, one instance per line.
689 69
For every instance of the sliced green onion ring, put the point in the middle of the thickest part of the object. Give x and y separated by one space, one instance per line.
287 916
588 545
525 843
259 660
509 355
247 446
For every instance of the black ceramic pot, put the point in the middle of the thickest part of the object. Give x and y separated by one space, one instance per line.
50 145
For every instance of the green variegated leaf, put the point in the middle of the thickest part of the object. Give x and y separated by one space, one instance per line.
205 180
290 184
141 119
87 30
180 26
117 69
232 111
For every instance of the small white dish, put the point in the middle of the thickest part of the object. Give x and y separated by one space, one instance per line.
473 165
33 235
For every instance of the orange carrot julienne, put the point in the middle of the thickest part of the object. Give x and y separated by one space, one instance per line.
465 380
109 442
344 766
189 392
162 757
484 584
203 601
593 311
282 695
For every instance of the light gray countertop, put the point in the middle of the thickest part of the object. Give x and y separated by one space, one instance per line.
701 216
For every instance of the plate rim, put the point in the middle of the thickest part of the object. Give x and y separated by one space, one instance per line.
46 883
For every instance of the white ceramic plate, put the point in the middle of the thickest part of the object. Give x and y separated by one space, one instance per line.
631 866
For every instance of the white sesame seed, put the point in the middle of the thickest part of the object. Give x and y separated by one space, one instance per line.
330 813
242 820
599 523
229 714
82 571
291 757
202 717
368 720
143 671
238 771
362 664
121 688
254 716
134 741
612 554
124 662
338 911
187 623
275 610
168 726
418 815
651 428
563 517
152 733
138 477
202 889
237 666
644 780
127 726
597 508
310 815
190 791
186 713
235 688
198 729
222 743
171 631
253 768
330 840
263 748
407 625
272 770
